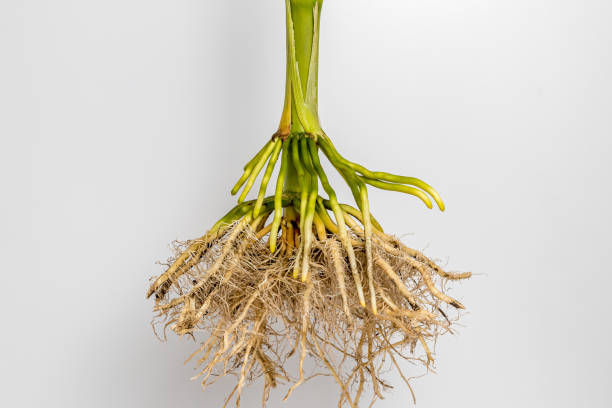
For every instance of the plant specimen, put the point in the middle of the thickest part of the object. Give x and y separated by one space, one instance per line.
299 273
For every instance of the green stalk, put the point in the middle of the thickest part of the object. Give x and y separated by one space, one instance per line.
300 111
303 17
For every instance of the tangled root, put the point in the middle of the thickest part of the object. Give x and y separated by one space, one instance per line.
254 312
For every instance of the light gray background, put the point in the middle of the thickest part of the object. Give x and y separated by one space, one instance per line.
125 122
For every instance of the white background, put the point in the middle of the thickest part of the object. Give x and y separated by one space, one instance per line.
125 122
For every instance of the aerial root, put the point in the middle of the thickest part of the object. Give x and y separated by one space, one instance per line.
252 308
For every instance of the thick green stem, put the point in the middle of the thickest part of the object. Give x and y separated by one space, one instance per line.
300 112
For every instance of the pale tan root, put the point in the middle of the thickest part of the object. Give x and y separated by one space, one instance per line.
334 373
419 256
386 268
339 270
304 330
191 251
430 285
228 247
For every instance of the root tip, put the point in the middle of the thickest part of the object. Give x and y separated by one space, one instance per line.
457 305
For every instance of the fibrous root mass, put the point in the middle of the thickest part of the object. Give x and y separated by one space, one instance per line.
299 274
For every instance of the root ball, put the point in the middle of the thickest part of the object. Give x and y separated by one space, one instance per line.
252 315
